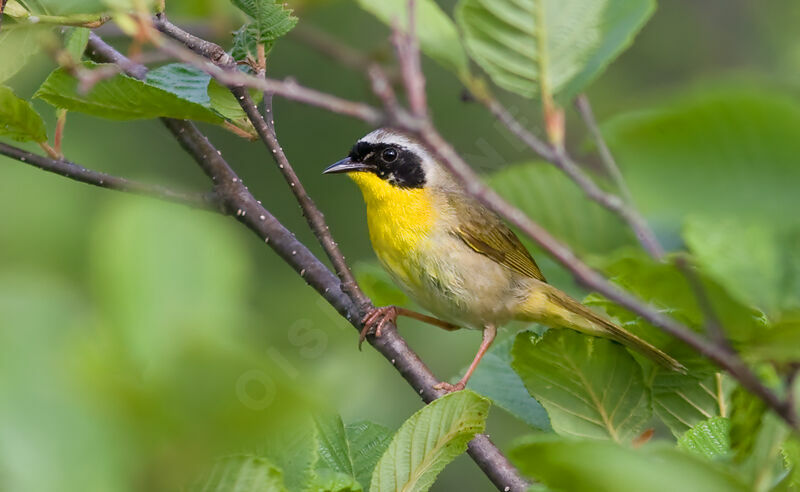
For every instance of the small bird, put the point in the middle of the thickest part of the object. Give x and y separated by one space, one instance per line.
455 257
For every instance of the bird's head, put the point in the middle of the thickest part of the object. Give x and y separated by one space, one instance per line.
388 160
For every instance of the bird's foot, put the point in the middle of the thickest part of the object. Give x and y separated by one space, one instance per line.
375 320
450 388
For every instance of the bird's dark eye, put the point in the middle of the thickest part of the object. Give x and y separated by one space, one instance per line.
389 155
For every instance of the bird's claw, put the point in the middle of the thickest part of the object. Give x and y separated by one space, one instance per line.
450 388
374 321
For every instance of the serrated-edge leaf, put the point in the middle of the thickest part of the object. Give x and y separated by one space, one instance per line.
271 21
682 401
428 441
333 450
121 98
591 387
18 119
709 438
560 44
368 441
243 473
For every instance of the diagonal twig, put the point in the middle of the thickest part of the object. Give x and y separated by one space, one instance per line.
205 201
407 48
425 131
391 345
316 220
584 107
559 157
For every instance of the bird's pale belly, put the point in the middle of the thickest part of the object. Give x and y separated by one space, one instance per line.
453 282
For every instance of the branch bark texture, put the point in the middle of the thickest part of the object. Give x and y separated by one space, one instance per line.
240 203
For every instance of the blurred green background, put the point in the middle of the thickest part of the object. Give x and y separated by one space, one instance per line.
140 340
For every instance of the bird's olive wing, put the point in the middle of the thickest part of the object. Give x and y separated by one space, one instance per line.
487 234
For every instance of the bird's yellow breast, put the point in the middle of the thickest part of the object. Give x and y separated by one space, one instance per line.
399 220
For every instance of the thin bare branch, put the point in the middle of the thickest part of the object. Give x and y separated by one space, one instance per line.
222 70
559 157
425 131
250 212
407 47
589 278
205 201
2 9
712 323
584 107
316 220
333 48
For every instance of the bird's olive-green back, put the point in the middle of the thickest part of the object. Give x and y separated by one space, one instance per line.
487 234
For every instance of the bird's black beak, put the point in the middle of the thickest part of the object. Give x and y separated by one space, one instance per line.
345 166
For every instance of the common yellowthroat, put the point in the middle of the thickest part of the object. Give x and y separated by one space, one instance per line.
454 256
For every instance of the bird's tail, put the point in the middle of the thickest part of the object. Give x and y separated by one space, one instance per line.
551 307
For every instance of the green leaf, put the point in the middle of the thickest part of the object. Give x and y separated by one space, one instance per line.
764 467
686 155
185 81
438 37
557 204
24 43
667 288
194 85
378 285
271 20
121 98
224 103
747 416
710 438
18 119
75 41
605 466
368 441
548 46
243 473
333 449
791 458
346 455
757 435
327 480
682 401
428 441
591 387
67 7
496 380
781 343
294 449
752 260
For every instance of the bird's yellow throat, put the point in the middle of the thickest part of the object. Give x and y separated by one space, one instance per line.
398 218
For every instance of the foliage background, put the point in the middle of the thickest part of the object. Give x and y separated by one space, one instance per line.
140 340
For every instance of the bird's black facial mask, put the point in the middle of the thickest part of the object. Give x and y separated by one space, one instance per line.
394 163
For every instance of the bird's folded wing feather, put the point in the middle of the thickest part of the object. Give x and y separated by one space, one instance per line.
485 232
